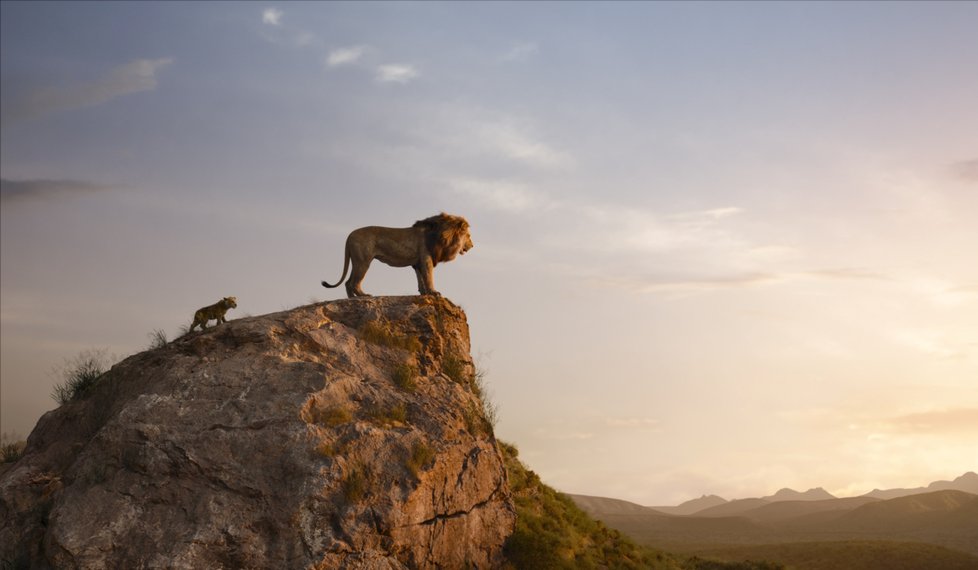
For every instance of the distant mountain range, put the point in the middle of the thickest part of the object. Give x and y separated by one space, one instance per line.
967 483
715 506
945 513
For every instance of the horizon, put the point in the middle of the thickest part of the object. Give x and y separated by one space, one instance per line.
720 248
769 495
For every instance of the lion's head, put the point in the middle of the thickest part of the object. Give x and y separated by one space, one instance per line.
445 236
230 302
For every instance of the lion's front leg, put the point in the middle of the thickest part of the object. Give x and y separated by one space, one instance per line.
426 282
418 273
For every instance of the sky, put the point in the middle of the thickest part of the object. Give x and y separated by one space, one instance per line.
719 247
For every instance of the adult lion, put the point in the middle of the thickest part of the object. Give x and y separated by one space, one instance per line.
424 245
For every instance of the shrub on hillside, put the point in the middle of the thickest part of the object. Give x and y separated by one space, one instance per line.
79 375
11 448
554 533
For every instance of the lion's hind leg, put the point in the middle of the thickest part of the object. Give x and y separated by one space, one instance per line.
353 285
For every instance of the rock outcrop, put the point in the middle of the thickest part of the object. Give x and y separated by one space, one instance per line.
347 434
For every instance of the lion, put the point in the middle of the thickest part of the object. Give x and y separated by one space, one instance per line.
424 245
213 312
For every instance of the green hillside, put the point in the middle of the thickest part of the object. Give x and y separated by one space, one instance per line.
553 533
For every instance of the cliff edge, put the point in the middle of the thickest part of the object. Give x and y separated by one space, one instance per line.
346 434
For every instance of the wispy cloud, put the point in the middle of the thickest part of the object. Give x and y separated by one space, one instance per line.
520 52
26 190
504 195
397 73
666 284
846 273
966 170
271 16
518 144
646 424
345 55
133 77
937 421
876 426
930 342
736 280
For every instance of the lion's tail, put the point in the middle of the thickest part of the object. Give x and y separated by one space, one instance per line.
346 267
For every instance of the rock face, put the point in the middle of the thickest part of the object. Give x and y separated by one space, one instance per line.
346 434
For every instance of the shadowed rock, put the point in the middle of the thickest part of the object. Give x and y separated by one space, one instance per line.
278 441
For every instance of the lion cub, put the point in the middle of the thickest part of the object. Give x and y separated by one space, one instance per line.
213 312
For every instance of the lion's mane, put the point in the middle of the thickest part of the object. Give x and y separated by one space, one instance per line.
445 235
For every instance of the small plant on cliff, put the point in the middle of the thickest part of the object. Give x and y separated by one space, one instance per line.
326 448
404 376
489 408
79 375
11 448
157 339
331 416
475 421
382 333
396 414
454 367
356 483
421 454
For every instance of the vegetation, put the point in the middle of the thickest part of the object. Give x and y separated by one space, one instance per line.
157 339
454 367
483 419
79 375
381 332
489 409
356 483
421 454
11 448
405 376
326 449
396 414
476 422
553 533
331 416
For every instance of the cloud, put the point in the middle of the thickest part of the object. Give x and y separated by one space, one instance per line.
25 190
345 56
561 434
520 52
937 421
397 73
634 423
499 194
133 77
966 170
846 273
708 215
663 284
306 39
271 16
517 144
929 342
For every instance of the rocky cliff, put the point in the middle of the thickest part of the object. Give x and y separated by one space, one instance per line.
347 434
